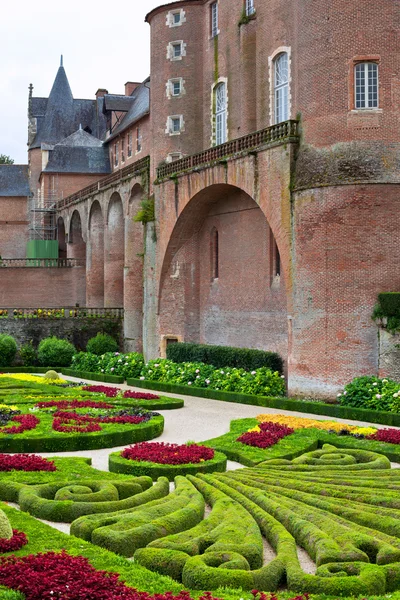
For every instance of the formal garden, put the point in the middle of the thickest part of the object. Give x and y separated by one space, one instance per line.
279 507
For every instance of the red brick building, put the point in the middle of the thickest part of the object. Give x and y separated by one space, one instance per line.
272 137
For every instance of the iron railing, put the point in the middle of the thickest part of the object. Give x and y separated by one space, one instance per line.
60 263
283 132
62 313
135 168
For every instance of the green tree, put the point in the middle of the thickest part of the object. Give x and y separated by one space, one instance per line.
6 160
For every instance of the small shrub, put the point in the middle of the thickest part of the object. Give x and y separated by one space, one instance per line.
8 350
373 393
111 363
101 344
390 303
53 375
55 352
28 354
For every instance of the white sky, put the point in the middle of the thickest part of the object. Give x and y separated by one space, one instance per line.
104 43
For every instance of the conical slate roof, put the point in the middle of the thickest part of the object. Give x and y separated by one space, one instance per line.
59 111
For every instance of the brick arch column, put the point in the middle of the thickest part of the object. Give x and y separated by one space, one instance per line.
114 251
95 258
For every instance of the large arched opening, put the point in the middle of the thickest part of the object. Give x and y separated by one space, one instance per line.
77 245
95 258
61 237
223 279
114 254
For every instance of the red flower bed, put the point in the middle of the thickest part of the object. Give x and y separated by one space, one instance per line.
66 426
269 434
50 575
27 422
62 422
168 454
110 392
386 435
140 395
25 462
18 540
63 404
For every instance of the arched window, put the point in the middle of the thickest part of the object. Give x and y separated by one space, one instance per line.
281 87
220 114
214 254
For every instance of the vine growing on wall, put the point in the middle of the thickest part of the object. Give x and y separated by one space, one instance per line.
146 212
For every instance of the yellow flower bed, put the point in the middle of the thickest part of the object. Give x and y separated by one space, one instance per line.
8 407
32 378
304 423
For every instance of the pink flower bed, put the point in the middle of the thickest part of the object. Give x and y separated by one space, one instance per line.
111 392
49 575
269 434
25 462
26 422
386 435
67 422
168 454
18 540
63 404
140 395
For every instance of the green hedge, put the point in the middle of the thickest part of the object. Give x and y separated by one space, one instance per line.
70 372
117 464
224 356
390 303
315 408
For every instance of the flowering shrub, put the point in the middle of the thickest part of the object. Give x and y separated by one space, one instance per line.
260 382
386 435
304 423
50 575
27 422
168 454
372 393
25 462
265 435
62 404
18 540
111 363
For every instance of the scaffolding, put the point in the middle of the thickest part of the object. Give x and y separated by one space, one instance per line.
43 221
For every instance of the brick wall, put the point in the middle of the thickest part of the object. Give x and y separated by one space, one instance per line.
14 222
389 354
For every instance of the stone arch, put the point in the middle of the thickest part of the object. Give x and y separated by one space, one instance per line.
114 253
76 243
95 257
246 305
133 281
62 238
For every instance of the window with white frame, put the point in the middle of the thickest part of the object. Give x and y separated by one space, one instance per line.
366 85
176 50
129 147
174 156
214 19
175 87
175 125
281 88
138 140
250 10
220 103
175 18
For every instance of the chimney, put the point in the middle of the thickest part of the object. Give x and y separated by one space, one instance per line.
101 92
130 87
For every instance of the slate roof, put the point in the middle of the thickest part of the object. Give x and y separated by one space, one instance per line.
140 107
14 180
59 115
79 153
117 102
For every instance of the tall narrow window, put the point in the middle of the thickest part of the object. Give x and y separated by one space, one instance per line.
214 254
281 87
366 85
250 10
138 140
129 145
123 150
116 154
220 114
214 19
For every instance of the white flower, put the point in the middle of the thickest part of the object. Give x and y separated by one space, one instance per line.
102 370
112 368
150 371
207 381
198 377
253 372
120 360
374 383
344 393
142 378
117 354
395 395
156 365
189 383
338 395
282 377
378 396
384 380
222 372
126 364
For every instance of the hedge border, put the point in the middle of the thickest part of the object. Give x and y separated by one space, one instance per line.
65 371
89 441
314 408
117 464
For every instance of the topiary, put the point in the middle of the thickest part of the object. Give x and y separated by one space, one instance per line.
6 531
51 375
8 350
55 352
101 344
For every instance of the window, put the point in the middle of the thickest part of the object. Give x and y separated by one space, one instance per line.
250 10
175 125
281 87
220 114
366 85
174 156
176 87
123 150
175 18
214 19
129 145
214 254
116 154
177 50
138 140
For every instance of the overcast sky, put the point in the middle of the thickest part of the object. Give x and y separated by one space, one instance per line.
104 45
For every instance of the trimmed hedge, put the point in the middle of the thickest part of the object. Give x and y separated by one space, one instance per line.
117 464
224 356
390 303
315 408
